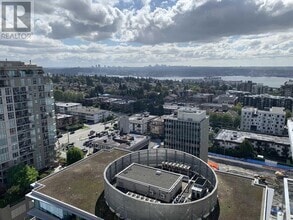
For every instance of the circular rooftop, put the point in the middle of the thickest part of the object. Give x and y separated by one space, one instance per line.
160 184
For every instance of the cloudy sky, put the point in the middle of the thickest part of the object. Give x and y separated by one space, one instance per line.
170 32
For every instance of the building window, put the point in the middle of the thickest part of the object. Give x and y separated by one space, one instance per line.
7 91
9 99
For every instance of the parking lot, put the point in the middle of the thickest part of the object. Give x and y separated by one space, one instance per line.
79 137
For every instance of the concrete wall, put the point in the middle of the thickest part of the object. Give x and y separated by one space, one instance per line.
16 212
126 206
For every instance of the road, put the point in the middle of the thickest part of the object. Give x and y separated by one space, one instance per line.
79 137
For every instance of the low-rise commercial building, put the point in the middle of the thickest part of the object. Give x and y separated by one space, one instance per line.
268 122
139 123
123 124
200 98
89 115
65 107
170 108
226 99
215 107
130 142
157 126
260 142
64 120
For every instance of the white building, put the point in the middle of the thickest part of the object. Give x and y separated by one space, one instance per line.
261 142
124 124
290 132
64 107
267 122
139 123
89 114
188 132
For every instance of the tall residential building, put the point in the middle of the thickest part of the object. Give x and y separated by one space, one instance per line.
27 117
287 89
267 122
188 132
265 101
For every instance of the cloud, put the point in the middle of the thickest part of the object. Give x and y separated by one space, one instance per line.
182 21
182 32
211 20
79 18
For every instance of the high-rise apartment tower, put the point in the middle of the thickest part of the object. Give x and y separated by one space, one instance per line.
27 117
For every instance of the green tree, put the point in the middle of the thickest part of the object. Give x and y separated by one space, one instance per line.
74 154
237 108
58 95
246 149
22 176
288 114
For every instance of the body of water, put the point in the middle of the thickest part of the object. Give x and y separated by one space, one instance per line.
268 81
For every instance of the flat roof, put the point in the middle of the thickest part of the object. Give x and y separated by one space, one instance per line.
59 116
277 110
150 176
238 198
88 110
81 184
240 136
67 104
121 141
137 118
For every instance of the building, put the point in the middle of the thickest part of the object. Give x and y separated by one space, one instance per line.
170 108
65 107
262 143
259 88
158 184
226 99
288 190
139 123
27 117
200 98
265 101
245 86
157 127
63 120
89 115
188 132
267 122
124 124
130 142
79 191
155 182
287 89
215 107
290 133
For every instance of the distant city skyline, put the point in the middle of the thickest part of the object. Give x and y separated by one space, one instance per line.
148 32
